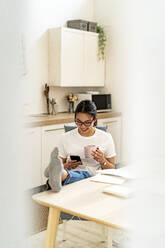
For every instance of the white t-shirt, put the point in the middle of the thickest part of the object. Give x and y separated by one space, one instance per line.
72 143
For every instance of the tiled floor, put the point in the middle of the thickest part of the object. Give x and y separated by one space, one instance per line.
75 234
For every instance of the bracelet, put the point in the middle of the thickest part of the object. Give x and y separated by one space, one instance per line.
105 163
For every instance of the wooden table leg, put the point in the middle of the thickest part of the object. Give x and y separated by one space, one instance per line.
104 233
52 227
109 237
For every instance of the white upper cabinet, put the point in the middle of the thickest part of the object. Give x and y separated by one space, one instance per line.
94 69
73 59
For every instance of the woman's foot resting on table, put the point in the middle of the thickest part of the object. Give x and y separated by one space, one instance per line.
54 171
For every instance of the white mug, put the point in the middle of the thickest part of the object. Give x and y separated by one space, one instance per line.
88 149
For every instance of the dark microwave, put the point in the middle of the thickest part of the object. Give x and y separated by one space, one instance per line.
102 101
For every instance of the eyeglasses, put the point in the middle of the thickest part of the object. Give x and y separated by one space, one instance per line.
86 123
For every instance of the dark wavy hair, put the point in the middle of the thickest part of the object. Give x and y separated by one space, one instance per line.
88 107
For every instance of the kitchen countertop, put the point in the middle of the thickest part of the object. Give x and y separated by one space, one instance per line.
39 120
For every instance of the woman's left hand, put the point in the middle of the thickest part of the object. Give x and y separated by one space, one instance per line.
98 155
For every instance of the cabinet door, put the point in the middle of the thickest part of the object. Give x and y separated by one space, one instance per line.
72 58
94 69
32 158
114 127
50 139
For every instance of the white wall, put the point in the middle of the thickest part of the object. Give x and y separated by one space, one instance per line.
12 215
117 17
135 75
110 14
38 16
135 54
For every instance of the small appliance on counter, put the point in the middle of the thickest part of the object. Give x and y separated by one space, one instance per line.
102 101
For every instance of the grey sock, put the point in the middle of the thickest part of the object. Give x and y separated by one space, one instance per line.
46 172
54 171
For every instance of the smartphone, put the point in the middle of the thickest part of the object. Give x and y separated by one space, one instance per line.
75 157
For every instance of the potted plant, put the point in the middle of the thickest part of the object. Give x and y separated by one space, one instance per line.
101 42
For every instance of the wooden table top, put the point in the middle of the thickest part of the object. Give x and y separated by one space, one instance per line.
86 199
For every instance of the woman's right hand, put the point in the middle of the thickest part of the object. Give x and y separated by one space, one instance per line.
71 164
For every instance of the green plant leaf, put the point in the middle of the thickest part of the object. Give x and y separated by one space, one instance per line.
101 42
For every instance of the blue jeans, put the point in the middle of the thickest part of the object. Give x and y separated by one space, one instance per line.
74 176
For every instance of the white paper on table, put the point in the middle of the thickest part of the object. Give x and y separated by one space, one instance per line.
107 179
122 172
119 190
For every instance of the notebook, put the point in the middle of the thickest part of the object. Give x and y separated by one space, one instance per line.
107 179
125 172
119 190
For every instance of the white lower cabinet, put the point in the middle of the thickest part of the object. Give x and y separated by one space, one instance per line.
114 127
50 139
32 158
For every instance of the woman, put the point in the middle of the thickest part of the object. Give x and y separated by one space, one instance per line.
79 142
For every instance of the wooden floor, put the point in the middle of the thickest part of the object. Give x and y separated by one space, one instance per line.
77 234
